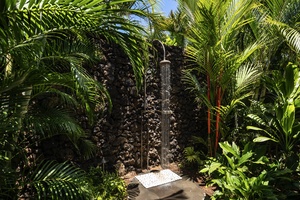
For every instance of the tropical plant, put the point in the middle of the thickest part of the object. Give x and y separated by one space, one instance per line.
194 155
278 23
280 125
176 25
50 178
43 47
212 39
241 174
106 185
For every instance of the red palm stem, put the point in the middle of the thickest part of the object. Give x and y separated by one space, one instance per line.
208 117
218 118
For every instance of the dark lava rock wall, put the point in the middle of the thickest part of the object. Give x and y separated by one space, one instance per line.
129 137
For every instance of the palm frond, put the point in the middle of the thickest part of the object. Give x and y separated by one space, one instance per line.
128 38
32 21
194 86
246 76
292 37
226 110
52 180
285 11
234 18
192 83
281 20
47 122
86 147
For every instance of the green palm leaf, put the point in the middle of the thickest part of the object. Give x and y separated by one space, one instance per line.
246 77
292 36
59 181
44 45
193 85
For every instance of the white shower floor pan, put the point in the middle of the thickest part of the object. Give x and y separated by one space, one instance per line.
161 177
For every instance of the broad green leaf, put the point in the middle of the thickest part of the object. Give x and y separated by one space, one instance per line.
235 148
297 103
204 170
245 158
233 180
289 80
259 129
228 149
263 139
279 112
288 118
230 161
262 160
213 167
242 169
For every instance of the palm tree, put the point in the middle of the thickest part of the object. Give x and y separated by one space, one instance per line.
177 23
212 44
280 20
44 45
277 22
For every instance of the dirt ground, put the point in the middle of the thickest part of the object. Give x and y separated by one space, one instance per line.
195 177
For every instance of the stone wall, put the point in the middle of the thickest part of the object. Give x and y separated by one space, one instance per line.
129 136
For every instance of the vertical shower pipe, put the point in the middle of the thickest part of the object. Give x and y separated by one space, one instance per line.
165 110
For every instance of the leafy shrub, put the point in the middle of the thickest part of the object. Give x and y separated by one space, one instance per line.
106 185
194 155
244 175
280 124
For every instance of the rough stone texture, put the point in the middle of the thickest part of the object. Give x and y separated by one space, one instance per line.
128 137
130 134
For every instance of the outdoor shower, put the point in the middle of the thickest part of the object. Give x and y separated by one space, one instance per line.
165 175
165 113
165 110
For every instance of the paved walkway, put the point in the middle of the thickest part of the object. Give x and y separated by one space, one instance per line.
177 190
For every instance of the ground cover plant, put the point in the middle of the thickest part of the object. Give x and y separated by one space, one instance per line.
106 185
246 174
